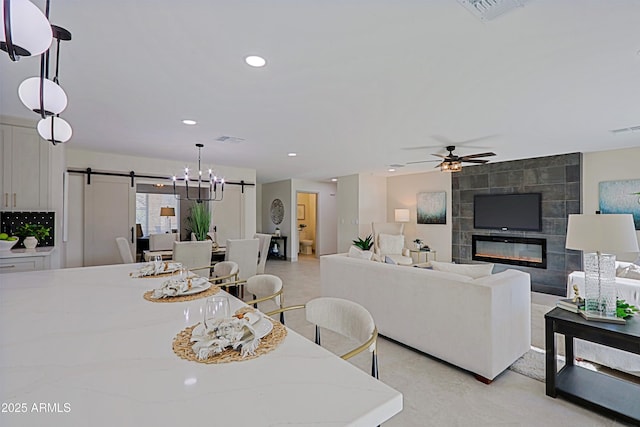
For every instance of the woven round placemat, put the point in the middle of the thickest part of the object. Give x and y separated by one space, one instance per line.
152 276
182 344
209 292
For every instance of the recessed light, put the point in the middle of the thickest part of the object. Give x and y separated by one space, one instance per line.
334 179
292 154
189 122
255 61
391 170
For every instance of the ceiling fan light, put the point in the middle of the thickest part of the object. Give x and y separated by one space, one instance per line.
450 166
30 30
55 99
61 129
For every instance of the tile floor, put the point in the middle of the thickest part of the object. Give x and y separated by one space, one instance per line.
436 394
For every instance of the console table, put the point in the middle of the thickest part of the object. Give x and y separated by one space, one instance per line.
282 248
581 385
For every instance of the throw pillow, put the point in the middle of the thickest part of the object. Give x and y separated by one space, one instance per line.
389 260
390 244
631 271
355 252
475 271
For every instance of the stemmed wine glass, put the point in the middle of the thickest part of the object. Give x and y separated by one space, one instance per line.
157 262
216 308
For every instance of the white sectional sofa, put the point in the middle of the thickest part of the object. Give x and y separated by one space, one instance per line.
482 325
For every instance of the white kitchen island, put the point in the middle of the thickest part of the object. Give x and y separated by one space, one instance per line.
81 347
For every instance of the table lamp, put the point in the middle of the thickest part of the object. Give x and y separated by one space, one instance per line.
168 212
595 234
401 215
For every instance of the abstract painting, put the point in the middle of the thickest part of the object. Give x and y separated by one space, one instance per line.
621 197
432 208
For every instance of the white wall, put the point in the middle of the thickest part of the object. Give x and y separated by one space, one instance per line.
347 210
401 193
372 202
610 165
98 161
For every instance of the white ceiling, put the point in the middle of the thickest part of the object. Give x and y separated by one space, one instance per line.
349 85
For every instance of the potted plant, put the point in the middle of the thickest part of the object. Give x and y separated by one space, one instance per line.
199 221
365 244
32 234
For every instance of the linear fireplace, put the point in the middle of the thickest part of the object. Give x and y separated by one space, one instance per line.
525 251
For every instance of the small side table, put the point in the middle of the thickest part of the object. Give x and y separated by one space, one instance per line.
417 256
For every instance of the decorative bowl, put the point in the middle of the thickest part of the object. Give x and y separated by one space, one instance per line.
6 245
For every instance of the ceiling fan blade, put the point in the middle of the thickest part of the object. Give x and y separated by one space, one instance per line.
473 156
422 147
475 161
422 161
439 155
438 165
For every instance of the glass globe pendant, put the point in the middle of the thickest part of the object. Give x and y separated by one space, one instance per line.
54 97
54 129
26 31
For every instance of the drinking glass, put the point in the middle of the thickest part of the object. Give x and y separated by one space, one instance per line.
216 308
157 262
180 273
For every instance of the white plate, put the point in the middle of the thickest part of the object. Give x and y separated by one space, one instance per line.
195 290
263 327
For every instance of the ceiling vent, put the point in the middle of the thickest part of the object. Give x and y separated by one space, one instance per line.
486 10
625 130
229 139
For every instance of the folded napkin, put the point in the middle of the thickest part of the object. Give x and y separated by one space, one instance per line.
153 269
237 333
173 287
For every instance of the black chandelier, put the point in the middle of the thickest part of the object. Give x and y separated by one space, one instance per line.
216 184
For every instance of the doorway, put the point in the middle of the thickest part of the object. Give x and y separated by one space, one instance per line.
307 223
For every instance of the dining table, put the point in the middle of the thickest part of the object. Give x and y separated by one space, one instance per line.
217 254
81 346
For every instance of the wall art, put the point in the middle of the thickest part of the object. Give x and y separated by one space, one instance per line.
432 208
621 197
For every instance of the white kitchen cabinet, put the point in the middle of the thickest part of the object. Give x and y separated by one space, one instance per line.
25 169
18 260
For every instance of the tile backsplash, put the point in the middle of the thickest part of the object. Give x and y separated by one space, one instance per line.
10 221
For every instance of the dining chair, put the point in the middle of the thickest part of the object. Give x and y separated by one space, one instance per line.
243 252
265 242
345 318
224 272
265 289
162 241
125 250
194 256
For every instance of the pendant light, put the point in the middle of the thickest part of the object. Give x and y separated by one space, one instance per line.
54 129
215 185
25 29
54 98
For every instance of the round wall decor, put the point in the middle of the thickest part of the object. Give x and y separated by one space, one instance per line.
277 211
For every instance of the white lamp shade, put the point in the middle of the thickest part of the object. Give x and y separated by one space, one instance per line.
402 215
30 29
61 129
603 233
55 100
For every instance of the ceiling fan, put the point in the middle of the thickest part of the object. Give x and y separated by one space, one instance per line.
453 163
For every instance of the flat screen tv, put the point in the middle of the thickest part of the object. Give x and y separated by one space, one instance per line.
508 211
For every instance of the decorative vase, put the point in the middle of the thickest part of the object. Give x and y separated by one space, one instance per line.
30 242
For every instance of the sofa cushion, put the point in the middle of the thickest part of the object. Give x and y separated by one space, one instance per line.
474 271
390 244
355 252
389 260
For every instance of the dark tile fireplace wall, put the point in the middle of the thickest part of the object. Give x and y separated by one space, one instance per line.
557 178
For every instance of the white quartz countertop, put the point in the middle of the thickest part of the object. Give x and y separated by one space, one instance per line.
22 252
82 347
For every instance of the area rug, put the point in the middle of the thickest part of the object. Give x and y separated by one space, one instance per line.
531 364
